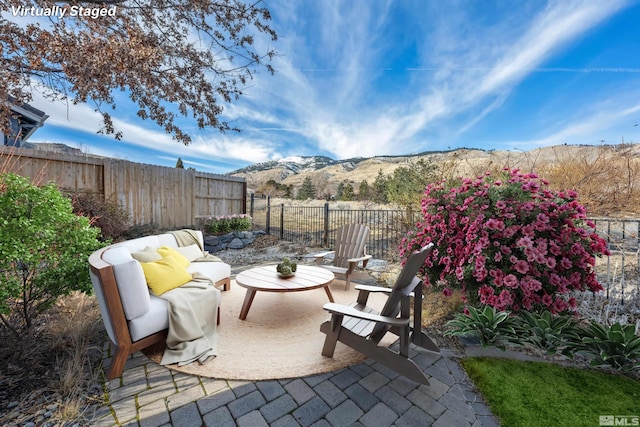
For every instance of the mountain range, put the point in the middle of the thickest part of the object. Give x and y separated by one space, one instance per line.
326 173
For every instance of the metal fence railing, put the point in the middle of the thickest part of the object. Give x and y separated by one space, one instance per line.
620 271
315 226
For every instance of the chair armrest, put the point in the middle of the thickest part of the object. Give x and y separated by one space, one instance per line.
370 288
365 290
346 310
322 254
362 258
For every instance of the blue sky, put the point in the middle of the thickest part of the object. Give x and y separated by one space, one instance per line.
371 77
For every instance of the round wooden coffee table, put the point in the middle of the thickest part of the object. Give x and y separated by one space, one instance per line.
266 279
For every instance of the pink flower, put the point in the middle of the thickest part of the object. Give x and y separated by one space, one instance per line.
510 281
505 297
447 292
522 266
566 263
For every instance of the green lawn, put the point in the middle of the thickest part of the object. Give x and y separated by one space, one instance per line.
544 394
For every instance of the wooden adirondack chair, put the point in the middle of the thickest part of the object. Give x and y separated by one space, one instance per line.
350 250
361 327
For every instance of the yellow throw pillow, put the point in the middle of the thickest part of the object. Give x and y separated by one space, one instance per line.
165 274
148 254
166 251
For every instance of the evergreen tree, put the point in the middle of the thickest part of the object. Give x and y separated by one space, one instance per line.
379 190
364 191
347 193
307 190
407 184
339 190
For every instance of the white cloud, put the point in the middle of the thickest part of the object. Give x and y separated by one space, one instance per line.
348 84
609 123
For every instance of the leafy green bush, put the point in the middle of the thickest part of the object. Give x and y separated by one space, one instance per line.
228 223
44 248
487 325
617 346
544 331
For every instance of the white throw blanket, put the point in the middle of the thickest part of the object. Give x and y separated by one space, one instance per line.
193 311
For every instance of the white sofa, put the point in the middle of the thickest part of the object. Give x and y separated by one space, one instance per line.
133 317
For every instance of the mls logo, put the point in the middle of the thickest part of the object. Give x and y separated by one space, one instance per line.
619 420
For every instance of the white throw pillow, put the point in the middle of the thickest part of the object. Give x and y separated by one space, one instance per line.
191 252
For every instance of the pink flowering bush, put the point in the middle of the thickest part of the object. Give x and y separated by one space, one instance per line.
508 242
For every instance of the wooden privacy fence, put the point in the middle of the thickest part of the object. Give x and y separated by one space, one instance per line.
163 196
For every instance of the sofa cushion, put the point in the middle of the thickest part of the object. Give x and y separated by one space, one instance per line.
116 255
154 320
148 254
166 251
191 252
215 271
132 286
166 239
140 243
165 274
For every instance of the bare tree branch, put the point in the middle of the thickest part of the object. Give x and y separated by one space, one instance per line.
175 58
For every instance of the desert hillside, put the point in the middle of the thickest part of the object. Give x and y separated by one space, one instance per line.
606 176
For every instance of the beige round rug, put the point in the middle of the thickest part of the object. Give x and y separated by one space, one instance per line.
280 337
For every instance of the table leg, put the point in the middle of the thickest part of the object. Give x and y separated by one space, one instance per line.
246 305
328 291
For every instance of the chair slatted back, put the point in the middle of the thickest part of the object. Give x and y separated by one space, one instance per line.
404 285
351 242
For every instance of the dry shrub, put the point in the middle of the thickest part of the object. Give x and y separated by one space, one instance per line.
56 366
108 215
607 178
438 308
73 332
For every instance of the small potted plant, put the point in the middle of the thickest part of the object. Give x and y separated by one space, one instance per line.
286 268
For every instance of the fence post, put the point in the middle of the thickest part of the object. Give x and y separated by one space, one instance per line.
251 204
282 221
268 219
326 224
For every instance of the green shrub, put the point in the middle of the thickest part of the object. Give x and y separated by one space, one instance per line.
616 346
546 332
44 248
228 223
487 325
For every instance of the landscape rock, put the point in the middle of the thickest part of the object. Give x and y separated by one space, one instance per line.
234 240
